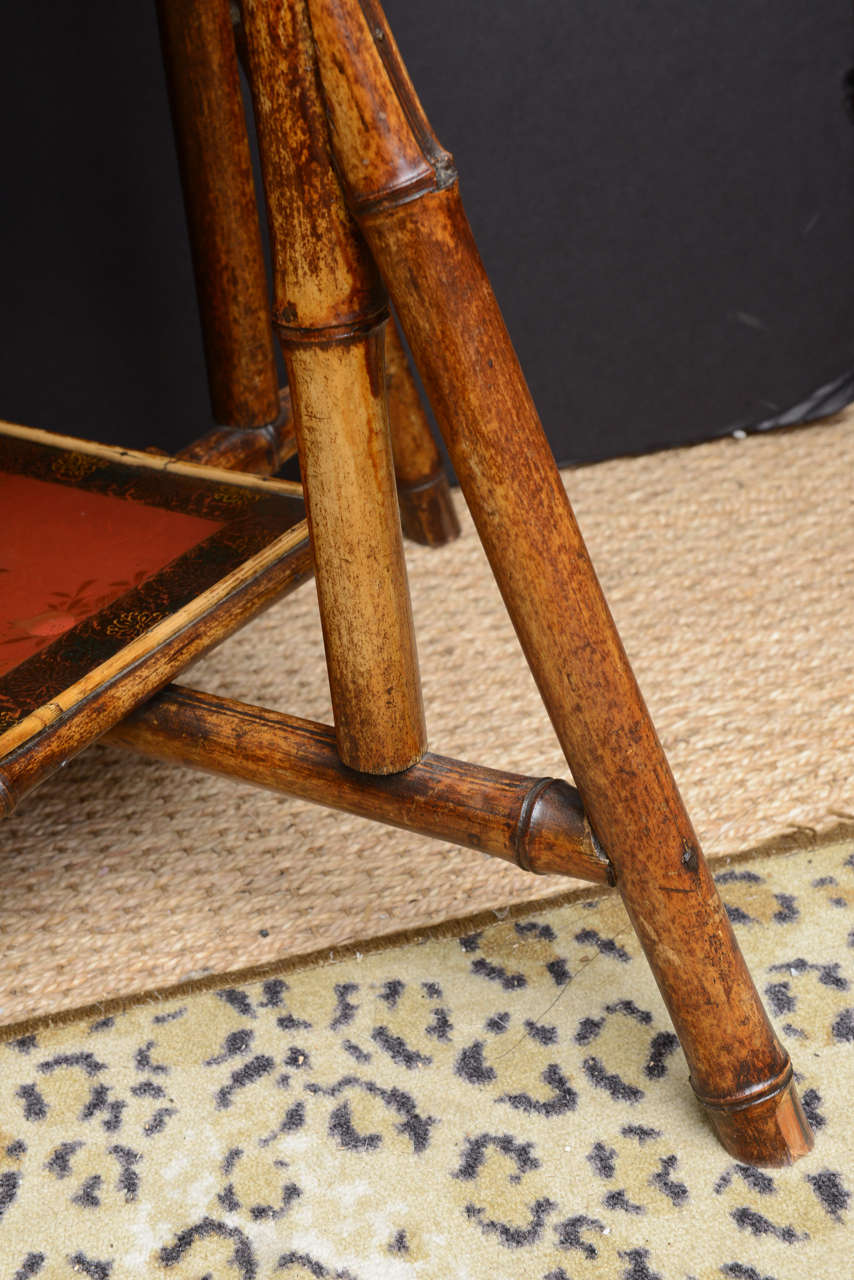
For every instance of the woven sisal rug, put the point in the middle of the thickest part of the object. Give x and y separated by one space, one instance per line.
730 570
497 1099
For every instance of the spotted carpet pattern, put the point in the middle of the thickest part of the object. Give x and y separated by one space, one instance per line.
499 1098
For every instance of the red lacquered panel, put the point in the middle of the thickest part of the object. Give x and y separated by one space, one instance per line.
67 553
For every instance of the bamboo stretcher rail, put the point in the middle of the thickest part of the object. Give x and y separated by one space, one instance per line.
536 823
402 187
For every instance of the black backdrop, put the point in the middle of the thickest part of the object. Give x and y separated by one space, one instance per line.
663 194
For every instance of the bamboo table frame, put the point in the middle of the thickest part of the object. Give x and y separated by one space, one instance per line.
362 204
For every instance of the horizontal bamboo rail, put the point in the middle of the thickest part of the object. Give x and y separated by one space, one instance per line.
537 823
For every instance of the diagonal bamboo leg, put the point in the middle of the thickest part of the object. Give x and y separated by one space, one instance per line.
225 237
330 311
426 510
403 189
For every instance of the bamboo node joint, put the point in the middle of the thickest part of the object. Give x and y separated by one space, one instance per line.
292 335
523 825
764 1091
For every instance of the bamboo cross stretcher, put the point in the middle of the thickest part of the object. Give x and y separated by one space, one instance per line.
363 205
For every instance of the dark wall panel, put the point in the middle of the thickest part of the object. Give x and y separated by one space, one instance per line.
100 329
664 195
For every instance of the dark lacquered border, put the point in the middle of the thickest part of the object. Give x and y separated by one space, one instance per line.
253 519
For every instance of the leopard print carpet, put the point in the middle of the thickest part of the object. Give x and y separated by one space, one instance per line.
499 1099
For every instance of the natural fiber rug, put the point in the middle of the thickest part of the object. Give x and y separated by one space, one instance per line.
495 1099
730 570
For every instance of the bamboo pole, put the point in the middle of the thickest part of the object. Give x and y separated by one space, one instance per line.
536 823
403 189
329 311
219 196
426 508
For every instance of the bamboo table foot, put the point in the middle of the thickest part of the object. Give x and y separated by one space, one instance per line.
765 1126
261 450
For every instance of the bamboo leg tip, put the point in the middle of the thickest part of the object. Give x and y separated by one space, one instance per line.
772 1130
427 512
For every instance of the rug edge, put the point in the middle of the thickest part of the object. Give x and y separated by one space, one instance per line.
798 840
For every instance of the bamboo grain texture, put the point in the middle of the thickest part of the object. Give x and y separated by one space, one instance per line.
409 208
330 310
200 59
536 823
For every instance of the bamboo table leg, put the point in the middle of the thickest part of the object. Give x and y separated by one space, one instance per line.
330 311
225 236
426 510
403 188
201 47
